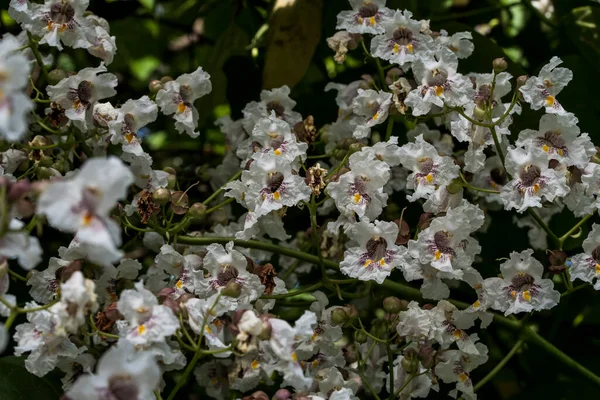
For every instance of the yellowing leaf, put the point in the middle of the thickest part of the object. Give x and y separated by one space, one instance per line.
294 33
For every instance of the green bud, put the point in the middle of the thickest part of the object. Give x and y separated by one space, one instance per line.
56 75
232 289
45 161
161 196
360 337
478 113
410 364
393 305
171 181
197 211
338 316
154 86
170 170
454 187
166 79
499 65
44 173
379 328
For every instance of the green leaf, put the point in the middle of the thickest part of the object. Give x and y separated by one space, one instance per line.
16 383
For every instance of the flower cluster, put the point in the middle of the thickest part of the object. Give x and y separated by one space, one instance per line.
199 290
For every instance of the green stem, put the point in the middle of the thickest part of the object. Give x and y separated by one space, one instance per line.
543 225
389 128
578 225
340 165
222 204
17 276
38 57
390 355
221 189
477 189
498 148
293 293
500 365
9 321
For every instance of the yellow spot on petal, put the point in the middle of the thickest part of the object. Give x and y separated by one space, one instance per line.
438 254
527 295
477 304
129 137
536 188
463 377
396 48
550 101
409 47
76 104
255 364
87 219
367 263
62 28
513 293
207 329
429 178
356 197
457 333
545 148
141 329
360 20
381 262
314 336
277 152
214 381
276 195
141 309
294 356
179 284
439 90
376 116
372 20
49 26
315 362
597 269
560 152
181 107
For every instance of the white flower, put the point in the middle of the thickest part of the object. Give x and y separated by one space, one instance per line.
73 368
439 83
366 16
11 299
376 254
55 21
460 43
178 96
442 142
541 91
430 170
586 265
446 244
77 94
370 108
107 283
415 323
224 265
14 104
122 373
77 300
388 152
131 117
402 41
521 288
181 269
102 45
275 100
455 366
560 139
82 204
38 337
18 244
532 180
145 321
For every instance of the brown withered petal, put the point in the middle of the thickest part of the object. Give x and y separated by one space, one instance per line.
305 130
267 275
146 207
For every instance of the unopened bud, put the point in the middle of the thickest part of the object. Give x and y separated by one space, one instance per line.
171 181
44 173
393 305
379 328
265 333
166 79
410 364
522 80
161 196
154 86
360 337
352 312
339 316
232 289
454 187
197 211
56 75
499 65
478 113
355 147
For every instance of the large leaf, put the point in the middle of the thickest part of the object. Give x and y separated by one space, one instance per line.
294 33
16 383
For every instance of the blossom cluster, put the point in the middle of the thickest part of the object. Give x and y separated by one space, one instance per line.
213 302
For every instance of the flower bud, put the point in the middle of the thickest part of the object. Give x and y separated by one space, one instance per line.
557 259
166 79
112 313
265 333
161 196
339 316
154 86
44 173
454 187
172 304
56 75
352 312
478 112
350 355
393 305
197 211
45 161
499 65
410 364
379 328
355 147
40 141
360 337
232 289
522 80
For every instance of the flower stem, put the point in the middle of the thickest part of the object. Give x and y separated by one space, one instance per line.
500 365
38 57
221 189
